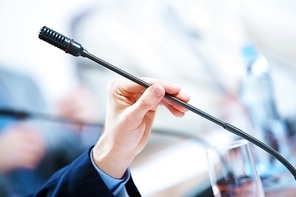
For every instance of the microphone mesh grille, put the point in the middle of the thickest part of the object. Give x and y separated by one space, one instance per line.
54 38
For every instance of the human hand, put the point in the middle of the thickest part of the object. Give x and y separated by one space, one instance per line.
20 147
131 110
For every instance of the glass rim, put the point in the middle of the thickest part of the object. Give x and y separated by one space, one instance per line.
229 145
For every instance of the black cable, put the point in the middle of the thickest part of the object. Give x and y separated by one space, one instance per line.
74 48
23 115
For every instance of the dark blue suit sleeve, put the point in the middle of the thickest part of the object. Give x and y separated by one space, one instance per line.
80 179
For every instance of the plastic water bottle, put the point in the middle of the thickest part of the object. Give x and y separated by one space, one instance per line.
257 95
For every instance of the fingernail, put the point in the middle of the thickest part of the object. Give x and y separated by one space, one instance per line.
157 91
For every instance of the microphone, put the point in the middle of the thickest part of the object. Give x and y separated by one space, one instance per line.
74 48
22 115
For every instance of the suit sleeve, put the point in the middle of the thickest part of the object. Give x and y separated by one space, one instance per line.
80 179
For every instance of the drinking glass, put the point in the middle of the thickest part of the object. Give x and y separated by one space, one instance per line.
232 171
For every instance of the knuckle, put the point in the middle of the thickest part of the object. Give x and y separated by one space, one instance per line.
146 102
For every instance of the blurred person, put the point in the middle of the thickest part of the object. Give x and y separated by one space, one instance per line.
103 170
79 104
31 150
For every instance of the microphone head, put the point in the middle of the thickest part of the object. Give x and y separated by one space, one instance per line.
60 41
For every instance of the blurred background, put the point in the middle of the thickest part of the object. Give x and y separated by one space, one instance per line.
202 45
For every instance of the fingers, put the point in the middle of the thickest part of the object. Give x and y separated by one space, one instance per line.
148 101
176 112
128 86
126 89
175 107
174 91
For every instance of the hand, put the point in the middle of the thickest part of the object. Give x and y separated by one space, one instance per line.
20 147
130 114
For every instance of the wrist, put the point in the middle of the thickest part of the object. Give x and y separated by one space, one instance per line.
111 160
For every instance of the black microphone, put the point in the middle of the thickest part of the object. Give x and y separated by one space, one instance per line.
23 115
66 44
72 47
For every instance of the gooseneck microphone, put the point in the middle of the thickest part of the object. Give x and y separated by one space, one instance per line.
72 47
23 115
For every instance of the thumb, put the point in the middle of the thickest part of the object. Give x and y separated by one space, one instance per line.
149 99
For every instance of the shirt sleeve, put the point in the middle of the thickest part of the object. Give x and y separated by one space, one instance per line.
116 186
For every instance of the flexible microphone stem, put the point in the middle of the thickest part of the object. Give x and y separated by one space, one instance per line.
72 47
22 115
